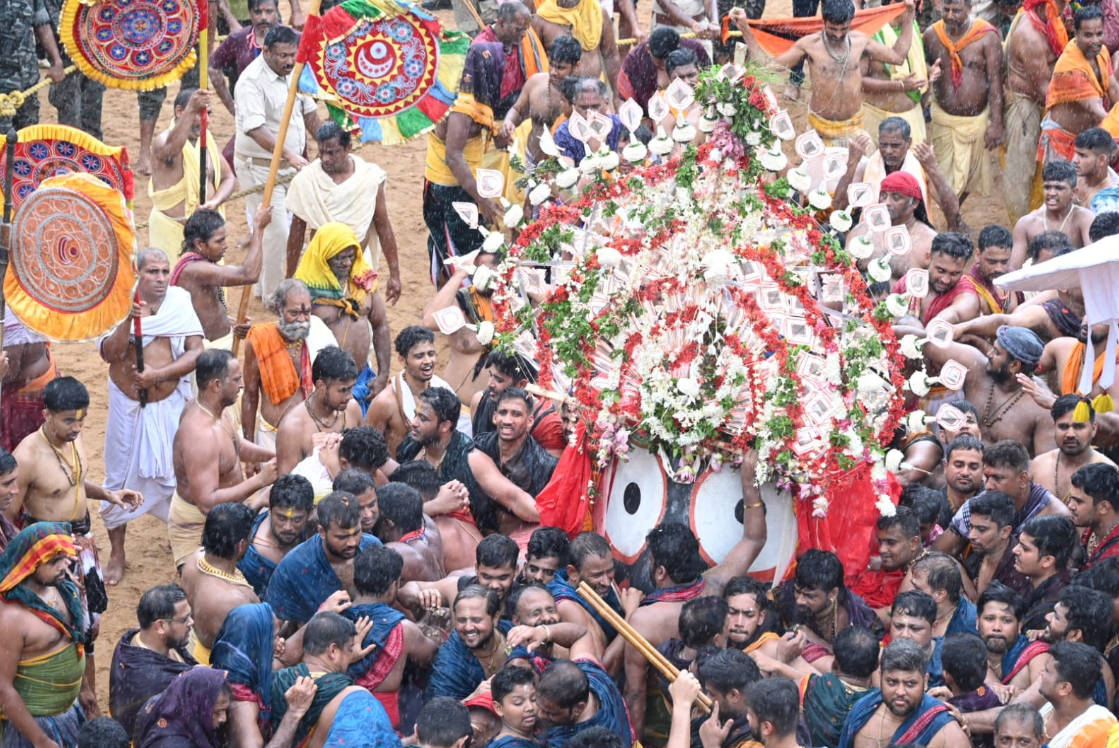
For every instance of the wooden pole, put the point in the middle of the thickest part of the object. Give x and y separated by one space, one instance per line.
274 168
637 641
203 84
6 228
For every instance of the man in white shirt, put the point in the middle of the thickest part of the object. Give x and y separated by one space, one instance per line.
260 96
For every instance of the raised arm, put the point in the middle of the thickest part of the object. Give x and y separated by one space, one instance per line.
169 148
754 531
896 54
788 59
992 53
213 274
501 489
946 197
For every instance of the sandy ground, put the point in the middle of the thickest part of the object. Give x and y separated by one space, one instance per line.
149 555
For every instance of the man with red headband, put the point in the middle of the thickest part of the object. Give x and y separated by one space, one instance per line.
905 200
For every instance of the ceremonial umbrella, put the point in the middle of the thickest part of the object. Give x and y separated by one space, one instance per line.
1095 271
384 68
71 275
45 151
137 45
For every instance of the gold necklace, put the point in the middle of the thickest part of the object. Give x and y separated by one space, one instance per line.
319 425
486 661
208 411
73 471
236 577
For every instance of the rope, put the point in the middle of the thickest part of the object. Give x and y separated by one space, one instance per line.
685 35
11 102
242 193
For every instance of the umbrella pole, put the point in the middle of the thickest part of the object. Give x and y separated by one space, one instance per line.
274 168
6 226
203 84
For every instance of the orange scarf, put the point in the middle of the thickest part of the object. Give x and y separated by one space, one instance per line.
278 376
978 28
1070 377
1074 80
1047 18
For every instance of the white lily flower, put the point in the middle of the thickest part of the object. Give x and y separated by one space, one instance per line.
841 220
819 198
608 257
609 161
918 384
635 152
799 179
897 305
514 216
539 194
879 270
916 421
567 178
687 386
753 138
483 277
493 243
894 459
861 247
485 332
911 346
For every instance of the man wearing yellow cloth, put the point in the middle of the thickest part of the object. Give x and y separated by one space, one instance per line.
44 637
1037 37
339 187
967 109
834 65
588 22
454 154
174 184
343 286
896 90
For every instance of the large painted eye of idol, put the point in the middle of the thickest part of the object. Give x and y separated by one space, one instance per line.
641 496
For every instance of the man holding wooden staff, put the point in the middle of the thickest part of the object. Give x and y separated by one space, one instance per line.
260 95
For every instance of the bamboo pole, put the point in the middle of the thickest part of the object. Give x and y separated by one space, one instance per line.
274 168
204 84
637 641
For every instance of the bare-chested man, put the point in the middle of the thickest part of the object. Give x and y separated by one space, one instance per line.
1035 41
174 184
211 579
330 409
144 406
41 653
377 577
52 486
278 357
897 90
947 299
541 99
340 186
556 18
680 574
896 151
1079 89
462 373
1074 435
208 455
199 272
404 528
967 107
1059 212
276 531
1008 412
902 196
834 66
394 408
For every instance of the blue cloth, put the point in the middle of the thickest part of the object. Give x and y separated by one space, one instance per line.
965 620
575 149
1106 201
385 618
936 666
243 648
611 714
561 590
864 710
362 392
61 728
457 672
510 741
361 722
256 568
304 580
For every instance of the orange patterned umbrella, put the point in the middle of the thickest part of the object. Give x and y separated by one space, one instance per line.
71 276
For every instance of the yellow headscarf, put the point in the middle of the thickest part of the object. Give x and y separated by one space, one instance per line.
332 239
585 20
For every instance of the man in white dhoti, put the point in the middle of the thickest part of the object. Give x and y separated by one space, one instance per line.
144 406
339 187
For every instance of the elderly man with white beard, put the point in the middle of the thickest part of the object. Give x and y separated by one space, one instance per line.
278 358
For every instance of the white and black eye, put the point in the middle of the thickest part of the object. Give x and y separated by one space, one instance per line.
637 500
716 519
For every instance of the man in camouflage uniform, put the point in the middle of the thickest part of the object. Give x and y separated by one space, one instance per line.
77 99
20 22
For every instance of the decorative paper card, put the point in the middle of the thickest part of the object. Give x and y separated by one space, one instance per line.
917 282
940 333
468 212
877 217
450 320
952 374
809 145
490 182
